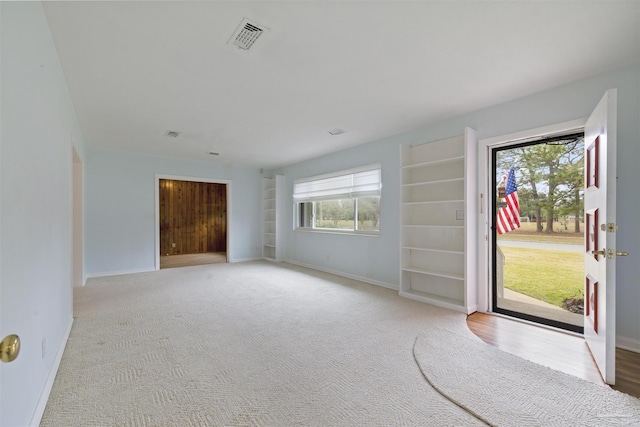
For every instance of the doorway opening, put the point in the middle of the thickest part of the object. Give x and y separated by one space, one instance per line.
77 218
192 222
538 230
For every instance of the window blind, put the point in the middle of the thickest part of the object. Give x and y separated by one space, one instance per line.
358 182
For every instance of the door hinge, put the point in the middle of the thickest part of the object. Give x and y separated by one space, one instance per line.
611 227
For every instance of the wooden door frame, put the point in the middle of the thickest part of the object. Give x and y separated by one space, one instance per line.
158 177
484 238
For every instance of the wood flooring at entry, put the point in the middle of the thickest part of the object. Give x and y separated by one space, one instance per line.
173 261
554 349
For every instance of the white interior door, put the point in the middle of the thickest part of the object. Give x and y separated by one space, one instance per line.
600 243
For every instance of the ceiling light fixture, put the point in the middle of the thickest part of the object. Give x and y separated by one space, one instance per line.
337 131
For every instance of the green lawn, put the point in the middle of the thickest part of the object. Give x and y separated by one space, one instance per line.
549 276
527 231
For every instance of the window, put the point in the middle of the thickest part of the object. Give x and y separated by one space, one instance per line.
346 201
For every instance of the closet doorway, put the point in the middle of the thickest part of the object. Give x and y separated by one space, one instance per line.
191 222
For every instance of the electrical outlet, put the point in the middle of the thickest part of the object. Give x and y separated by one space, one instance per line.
173 245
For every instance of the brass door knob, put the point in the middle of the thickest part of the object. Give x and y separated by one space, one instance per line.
602 252
622 253
9 348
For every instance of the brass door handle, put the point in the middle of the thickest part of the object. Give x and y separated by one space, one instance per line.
9 348
602 252
622 253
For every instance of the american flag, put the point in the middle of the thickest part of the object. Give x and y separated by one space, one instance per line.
509 216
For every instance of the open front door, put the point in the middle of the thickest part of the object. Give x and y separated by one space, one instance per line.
600 242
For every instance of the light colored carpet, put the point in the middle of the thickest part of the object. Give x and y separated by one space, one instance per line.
246 344
262 344
503 389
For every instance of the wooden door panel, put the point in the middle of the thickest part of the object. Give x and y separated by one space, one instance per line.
192 217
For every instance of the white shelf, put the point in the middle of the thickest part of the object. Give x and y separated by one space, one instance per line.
436 262
435 153
439 239
443 213
435 172
434 162
435 185
437 300
440 181
433 202
432 273
271 212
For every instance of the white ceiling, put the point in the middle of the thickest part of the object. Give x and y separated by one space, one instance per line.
372 68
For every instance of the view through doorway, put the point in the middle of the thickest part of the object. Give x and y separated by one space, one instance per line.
538 231
192 222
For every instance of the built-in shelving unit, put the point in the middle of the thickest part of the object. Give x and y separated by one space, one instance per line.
437 222
272 190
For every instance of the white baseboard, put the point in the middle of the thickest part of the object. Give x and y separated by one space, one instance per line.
120 272
348 276
628 344
147 270
48 385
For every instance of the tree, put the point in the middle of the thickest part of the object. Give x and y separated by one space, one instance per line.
554 167
334 210
573 177
368 210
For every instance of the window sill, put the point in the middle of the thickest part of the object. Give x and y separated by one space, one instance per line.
342 232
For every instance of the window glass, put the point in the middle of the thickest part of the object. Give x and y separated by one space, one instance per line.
369 213
335 214
304 214
345 201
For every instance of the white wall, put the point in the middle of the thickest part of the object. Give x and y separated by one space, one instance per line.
374 258
37 126
120 208
377 259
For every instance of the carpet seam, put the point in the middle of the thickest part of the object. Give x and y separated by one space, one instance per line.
445 395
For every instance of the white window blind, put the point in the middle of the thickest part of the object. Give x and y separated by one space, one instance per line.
365 181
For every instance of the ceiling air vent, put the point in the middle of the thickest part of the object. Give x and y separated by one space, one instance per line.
247 33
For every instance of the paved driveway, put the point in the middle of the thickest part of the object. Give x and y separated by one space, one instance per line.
542 245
